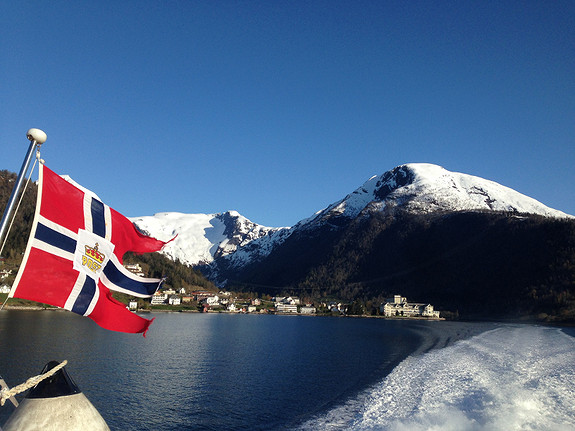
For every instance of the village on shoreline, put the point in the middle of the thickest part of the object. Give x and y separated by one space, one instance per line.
226 302
170 300
280 306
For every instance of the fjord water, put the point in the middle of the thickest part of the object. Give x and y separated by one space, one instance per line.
219 371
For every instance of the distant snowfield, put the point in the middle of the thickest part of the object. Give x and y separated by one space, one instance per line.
510 378
199 238
198 235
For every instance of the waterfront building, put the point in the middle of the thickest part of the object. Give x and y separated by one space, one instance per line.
286 308
398 306
308 309
174 300
286 300
159 298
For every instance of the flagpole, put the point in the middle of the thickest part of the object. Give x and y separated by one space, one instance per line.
36 137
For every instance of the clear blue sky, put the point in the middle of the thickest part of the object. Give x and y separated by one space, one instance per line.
278 108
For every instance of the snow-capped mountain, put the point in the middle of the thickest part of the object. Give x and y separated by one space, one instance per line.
426 188
417 188
201 238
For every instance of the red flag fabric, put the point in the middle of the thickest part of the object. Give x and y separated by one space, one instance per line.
74 256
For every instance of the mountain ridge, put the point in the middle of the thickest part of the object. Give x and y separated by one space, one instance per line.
416 188
425 188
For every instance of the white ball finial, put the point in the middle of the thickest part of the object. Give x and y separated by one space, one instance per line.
36 135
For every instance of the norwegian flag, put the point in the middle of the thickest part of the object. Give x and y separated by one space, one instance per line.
74 256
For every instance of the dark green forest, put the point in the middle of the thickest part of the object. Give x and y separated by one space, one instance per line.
16 242
474 265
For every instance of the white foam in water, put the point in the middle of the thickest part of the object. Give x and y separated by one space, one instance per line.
510 378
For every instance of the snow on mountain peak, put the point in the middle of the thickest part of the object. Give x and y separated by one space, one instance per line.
434 188
417 188
426 188
201 238
196 234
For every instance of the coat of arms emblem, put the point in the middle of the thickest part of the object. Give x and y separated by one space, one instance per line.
92 258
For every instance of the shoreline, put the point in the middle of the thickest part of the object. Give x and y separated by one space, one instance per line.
515 320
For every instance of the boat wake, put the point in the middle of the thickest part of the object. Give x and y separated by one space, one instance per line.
512 377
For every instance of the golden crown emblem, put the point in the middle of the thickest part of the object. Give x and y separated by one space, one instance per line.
94 253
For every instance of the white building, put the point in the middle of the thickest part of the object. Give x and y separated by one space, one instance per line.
5 288
429 312
210 301
307 309
174 300
286 308
252 309
287 300
133 305
213 300
159 298
399 307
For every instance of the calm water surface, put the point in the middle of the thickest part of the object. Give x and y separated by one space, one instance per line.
217 371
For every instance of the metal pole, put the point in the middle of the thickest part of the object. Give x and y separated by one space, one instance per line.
37 137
